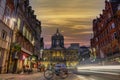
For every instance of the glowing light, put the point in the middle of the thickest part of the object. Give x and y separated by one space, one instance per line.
99 67
24 57
12 22
109 69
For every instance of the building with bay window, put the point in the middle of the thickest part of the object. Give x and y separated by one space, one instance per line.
27 36
106 42
20 36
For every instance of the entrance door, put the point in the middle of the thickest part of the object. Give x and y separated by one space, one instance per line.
1 59
15 66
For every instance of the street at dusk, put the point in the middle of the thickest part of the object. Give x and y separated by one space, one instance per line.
72 76
59 39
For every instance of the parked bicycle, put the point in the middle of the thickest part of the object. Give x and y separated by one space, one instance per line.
60 71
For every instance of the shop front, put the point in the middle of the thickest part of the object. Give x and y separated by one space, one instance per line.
34 62
24 61
115 59
20 59
28 61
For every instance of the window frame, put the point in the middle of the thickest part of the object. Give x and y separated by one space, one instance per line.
0 53
3 34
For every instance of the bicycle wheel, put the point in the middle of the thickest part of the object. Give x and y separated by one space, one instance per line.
63 73
48 74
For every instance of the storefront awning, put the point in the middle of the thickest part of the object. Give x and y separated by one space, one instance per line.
26 51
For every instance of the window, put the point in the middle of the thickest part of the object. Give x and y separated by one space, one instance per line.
109 15
102 25
99 28
115 35
30 37
19 23
6 16
97 39
112 37
57 43
0 53
113 25
24 30
4 34
27 33
119 7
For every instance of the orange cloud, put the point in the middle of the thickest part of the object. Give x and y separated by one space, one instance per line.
72 17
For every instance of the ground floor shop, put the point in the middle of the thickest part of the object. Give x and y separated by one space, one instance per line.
115 59
3 60
54 56
21 60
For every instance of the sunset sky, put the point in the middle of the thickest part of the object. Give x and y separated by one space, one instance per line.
72 17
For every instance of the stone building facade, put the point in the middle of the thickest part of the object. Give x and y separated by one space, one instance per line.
58 53
21 31
6 28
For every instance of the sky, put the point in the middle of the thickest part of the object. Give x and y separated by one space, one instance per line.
72 17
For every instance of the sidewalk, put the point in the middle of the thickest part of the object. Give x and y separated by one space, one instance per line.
7 76
35 76
18 76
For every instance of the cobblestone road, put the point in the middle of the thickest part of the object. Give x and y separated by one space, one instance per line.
35 76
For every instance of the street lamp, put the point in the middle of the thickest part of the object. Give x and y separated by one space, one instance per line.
41 52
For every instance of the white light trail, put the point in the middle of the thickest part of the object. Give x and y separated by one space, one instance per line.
111 67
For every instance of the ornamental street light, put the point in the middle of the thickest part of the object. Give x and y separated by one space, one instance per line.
41 53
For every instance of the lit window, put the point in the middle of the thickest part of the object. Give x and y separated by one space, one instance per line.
113 25
119 7
24 30
18 23
4 34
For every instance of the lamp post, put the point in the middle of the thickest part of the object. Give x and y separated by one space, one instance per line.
41 53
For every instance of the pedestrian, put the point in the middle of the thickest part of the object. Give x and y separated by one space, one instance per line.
24 70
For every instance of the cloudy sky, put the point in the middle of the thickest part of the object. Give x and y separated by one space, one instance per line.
72 17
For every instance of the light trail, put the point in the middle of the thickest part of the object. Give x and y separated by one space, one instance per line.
107 67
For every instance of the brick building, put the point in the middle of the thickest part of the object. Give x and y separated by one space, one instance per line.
106 42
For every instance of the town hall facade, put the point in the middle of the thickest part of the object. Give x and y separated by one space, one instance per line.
58 53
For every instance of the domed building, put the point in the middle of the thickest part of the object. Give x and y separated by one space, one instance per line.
57 40
58 53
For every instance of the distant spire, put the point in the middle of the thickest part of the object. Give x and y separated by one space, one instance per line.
57 30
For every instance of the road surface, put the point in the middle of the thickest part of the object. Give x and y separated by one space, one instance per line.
39 76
